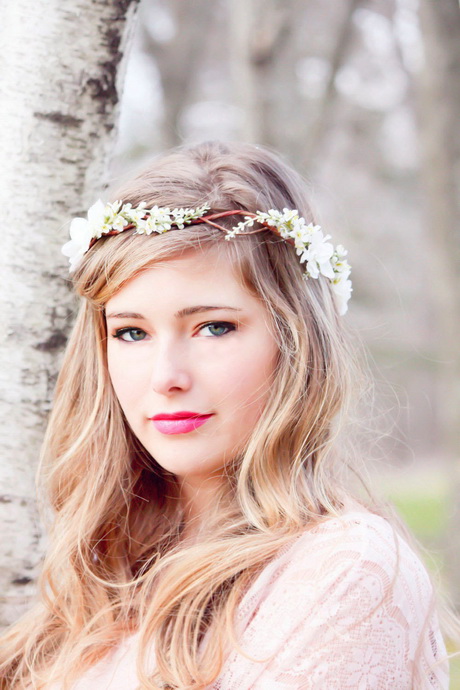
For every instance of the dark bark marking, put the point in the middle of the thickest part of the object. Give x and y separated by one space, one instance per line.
103 88
22 580
122 6
60 119
56 341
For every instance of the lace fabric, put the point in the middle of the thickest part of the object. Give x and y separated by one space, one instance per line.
344 608
347 605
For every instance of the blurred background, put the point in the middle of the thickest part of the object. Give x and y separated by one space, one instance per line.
363 98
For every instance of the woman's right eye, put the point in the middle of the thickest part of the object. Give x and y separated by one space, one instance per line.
136 334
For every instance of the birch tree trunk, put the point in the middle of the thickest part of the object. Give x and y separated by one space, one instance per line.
61 71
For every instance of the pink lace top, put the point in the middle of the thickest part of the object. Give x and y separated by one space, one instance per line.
334 612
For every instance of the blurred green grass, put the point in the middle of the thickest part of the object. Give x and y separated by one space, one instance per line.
425 513
425 506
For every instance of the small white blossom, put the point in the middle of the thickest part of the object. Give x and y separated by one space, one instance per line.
341 251
318 256
82 231
290 215
178 215
158 220
230 234
113 218
342 290
341 268
248 222
132 215
302 235
80 237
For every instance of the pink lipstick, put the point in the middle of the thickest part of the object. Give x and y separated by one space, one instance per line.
179 422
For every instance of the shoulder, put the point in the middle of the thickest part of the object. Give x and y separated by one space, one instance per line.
363 549
357 538
348 599
354 539
354 563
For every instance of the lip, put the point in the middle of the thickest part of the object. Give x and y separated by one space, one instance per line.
170 424
178 415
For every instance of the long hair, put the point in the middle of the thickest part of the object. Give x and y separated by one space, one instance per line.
116 563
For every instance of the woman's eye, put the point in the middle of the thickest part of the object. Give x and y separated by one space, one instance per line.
135 334
218 326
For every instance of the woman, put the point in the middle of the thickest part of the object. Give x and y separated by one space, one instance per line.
203 534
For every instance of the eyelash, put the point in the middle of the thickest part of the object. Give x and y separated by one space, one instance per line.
121 331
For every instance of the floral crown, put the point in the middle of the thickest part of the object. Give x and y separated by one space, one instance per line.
319 255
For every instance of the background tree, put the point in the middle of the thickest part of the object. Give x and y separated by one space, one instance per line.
61 73
439 112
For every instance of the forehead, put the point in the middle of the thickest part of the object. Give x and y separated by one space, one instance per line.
201 273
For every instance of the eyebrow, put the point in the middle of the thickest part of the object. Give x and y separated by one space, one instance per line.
188 311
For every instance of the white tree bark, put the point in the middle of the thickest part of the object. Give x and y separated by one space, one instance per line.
61 69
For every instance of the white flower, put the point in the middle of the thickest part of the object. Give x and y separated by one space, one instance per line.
281 220
133 216
158 220
342 290
272 217
286 220
230 234
290 215
248 222
179 216
340 251
240 228
341 268
184 216
82 231
100 218
80 237
318 256
302 235
113 220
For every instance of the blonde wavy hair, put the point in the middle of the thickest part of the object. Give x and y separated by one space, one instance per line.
117 563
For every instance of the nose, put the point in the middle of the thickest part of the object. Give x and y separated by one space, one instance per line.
169 373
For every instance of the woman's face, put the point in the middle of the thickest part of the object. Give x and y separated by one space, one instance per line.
185 336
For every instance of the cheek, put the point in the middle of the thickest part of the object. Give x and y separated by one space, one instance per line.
124 379
249 379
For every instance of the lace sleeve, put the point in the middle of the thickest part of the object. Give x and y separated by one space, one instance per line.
349 606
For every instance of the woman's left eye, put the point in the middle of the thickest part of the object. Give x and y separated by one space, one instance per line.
219 325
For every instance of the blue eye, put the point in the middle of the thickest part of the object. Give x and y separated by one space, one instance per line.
136 334
219 325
